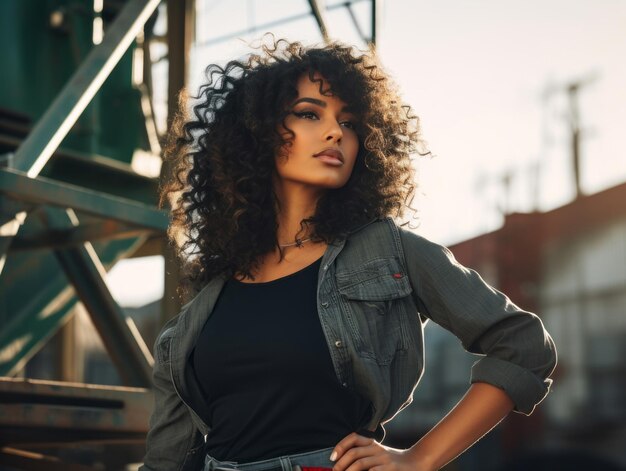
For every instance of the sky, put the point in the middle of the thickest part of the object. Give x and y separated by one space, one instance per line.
488 80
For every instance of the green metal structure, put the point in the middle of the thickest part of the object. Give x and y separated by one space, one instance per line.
73 114
71 206
90 171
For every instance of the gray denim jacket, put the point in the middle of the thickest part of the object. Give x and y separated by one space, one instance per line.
376 290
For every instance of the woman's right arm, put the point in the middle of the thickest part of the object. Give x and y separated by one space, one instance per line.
518 354
173 441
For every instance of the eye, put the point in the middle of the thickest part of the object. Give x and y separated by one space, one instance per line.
348 124
305 114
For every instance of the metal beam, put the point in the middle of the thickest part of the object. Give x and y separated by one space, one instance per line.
91 162
43 190
59 118
65 238
12 216
270 25
356 24
180 26
318 14
376 15
31 409
119 335
28 328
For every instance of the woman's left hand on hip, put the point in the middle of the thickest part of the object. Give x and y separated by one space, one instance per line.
358 453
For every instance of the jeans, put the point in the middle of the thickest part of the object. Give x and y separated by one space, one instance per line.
315 458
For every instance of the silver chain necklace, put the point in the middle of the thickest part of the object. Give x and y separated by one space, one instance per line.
297 243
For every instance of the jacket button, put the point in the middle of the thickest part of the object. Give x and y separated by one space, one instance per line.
338 344
345 385
325 304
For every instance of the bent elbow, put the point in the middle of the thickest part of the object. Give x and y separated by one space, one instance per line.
548 358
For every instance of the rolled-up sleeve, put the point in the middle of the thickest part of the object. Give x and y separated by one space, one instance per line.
519 354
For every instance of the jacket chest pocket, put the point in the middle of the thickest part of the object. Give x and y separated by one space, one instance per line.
372 298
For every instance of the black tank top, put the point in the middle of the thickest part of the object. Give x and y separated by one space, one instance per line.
263 364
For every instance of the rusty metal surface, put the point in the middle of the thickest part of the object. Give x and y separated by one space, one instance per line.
34 411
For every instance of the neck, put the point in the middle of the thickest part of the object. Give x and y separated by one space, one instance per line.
297 202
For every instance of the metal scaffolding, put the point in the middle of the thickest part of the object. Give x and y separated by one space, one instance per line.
86 231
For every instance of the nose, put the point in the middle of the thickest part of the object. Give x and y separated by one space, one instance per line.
334 132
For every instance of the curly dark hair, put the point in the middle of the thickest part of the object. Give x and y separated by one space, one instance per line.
222 159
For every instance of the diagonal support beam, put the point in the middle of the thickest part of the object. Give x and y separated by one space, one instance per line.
28 327
356 24
59 118
121 338
317 9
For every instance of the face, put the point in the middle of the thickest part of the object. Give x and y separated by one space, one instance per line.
324 145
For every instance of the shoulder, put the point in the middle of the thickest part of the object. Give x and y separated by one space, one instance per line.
171 328
418 249
186 321
385 232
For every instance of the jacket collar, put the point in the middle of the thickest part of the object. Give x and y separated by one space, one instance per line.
358 228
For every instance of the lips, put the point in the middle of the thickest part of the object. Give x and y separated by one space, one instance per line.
331 156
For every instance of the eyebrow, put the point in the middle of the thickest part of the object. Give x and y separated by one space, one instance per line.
315 101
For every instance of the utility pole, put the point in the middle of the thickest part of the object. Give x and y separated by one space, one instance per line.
574 122
573 89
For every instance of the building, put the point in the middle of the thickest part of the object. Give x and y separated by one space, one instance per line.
569 266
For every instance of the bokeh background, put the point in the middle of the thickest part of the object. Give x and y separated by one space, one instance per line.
523 107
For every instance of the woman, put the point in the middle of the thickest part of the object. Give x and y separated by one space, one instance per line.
304 334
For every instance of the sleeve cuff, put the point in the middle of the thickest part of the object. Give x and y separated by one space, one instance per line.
524 387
